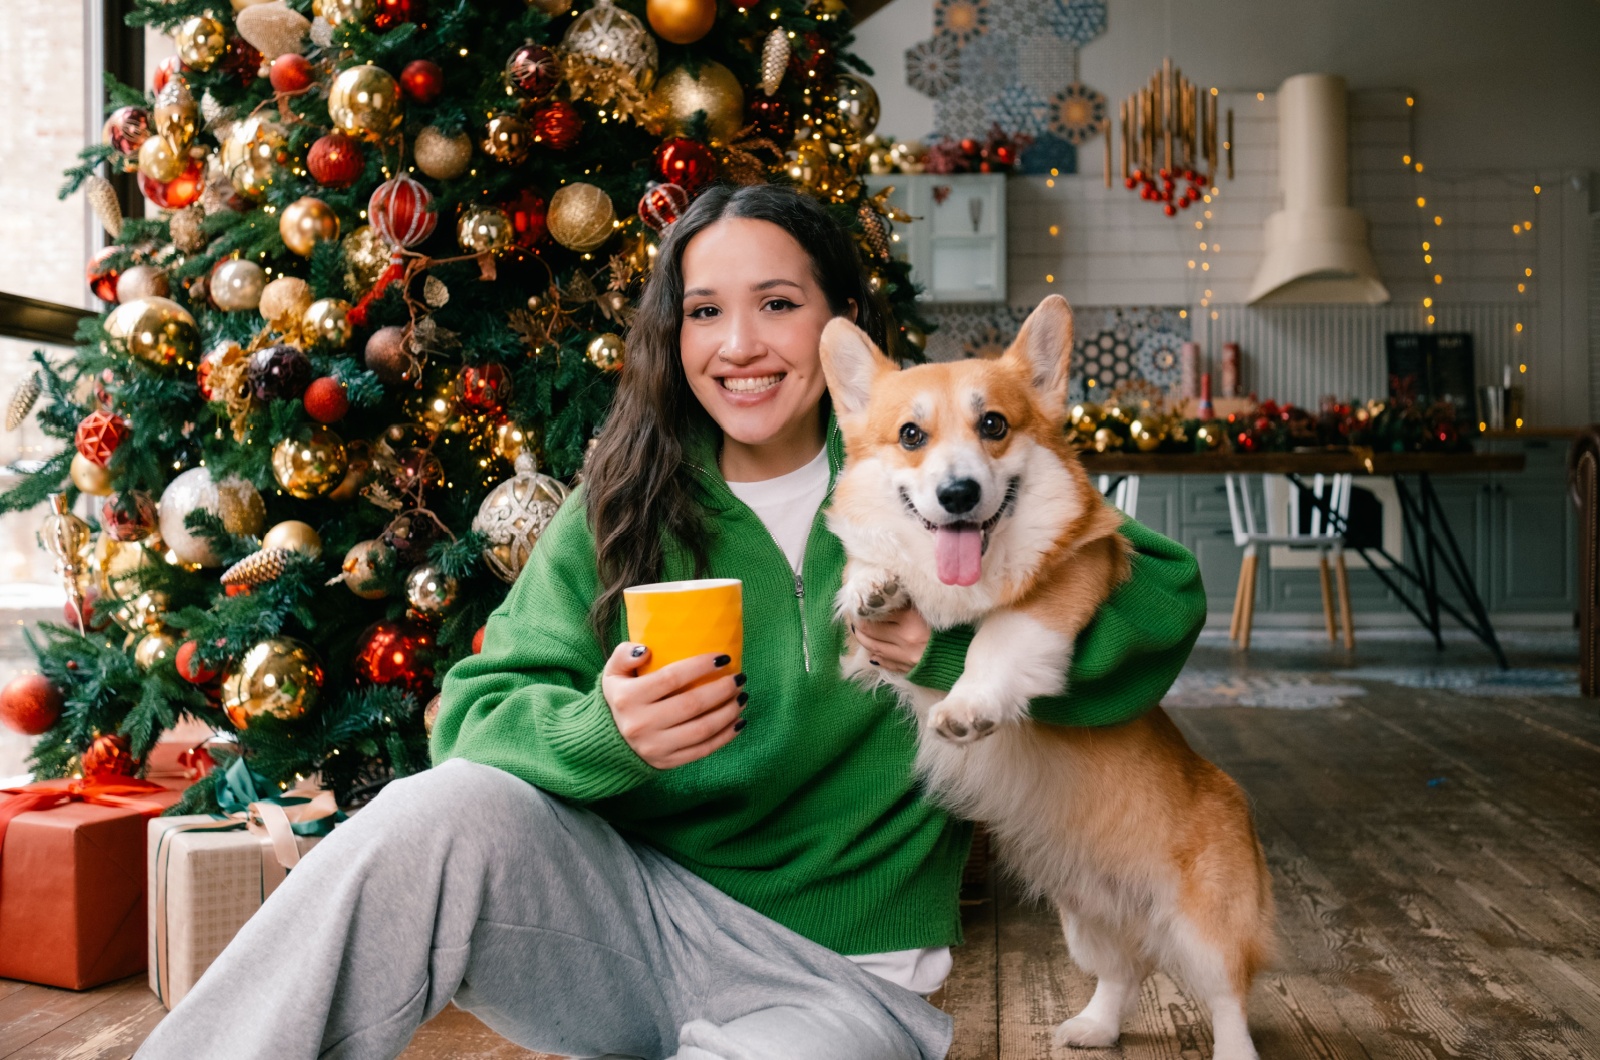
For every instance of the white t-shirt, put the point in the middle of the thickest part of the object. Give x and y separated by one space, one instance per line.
788 505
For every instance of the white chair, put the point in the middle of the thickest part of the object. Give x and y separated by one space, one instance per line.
1333 491
1123 494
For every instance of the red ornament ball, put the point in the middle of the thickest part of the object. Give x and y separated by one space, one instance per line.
556 125
422 80
99 434
109 756
127 129
529 213
182 190
399 210
190 668
485 387
533 70
128 516
281 372
336 160
166 70
101 276
398 652
687 163
242 61
325 400
387 14
661 204
94 619
477 639
30 704
291 72
771 116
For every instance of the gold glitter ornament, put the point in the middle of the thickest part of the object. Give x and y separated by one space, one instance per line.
507 138
310 462
90 477
774 60
201 41
284 301
271 28
157 331
608 35
485 230
442 157
364 101
606 352
278 676
176 115
326 322
185 227
306 222
513 516
679 95
233 500
154 649
366 255
580 217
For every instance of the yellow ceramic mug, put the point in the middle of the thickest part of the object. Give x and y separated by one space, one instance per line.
677 620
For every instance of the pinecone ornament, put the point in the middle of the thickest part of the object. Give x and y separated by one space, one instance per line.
22 401
774 60
258 568
103 201
877 235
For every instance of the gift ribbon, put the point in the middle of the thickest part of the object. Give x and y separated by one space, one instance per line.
123 792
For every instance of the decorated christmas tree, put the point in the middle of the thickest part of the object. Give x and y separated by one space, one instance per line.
361 344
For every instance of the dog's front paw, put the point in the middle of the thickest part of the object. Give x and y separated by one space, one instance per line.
1085 1032
871 594
962 720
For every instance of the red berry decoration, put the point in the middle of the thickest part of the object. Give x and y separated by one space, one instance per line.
336 160
30 704
485 387
167 69
128 516
109 756
533 71
396 653
687 163
661 204
279 372
422 80
99 434
399 210
529 213
771 116
182 190
325 400
101 276
291 72
387 14
556 125
477 639
190 668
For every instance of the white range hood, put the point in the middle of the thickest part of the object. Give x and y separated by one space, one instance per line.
1316 246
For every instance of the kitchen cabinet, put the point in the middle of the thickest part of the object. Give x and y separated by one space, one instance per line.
956 244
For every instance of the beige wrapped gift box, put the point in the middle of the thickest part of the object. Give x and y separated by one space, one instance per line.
207 876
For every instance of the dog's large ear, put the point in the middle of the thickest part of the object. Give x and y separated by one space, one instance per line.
1044 348
850 363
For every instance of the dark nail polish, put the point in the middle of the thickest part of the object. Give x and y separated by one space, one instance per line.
739 680
874 662
722 660
639 650
744 697
738 726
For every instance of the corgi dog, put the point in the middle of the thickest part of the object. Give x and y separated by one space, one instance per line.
961 497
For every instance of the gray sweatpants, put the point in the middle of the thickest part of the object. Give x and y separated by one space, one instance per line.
465 882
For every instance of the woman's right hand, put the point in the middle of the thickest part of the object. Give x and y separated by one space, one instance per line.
666 723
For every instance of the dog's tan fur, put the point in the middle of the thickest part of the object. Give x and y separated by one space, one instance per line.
1148 850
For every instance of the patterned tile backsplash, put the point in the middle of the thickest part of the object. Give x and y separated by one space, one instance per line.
1114 344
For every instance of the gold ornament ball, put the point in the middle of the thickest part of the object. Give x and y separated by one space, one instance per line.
914 337
338 12
363 569
154 648
580 217
158 331
430 714
284 301
142 611
120 566
176 115
327 322
609 36
142 281
1146 437
278 676
553 8
681 21
366 255
809 163
160 160
365 101
233 500
606 352
679 94
430 591
1106 440
485 230
442 157
310 462
237 284
294 535
90 477
306 222
249 154
858 103
1117 412
513 516
510 440
1208 437
507 138
201 41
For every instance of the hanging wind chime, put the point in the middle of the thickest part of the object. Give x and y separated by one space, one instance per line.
1169 140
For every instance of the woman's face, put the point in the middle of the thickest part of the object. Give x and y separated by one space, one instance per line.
753 315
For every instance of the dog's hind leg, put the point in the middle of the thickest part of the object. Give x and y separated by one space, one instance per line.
1214 974
1100 951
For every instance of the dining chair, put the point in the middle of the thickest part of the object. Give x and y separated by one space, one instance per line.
1330 493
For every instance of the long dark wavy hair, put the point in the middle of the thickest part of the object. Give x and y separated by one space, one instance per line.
640 490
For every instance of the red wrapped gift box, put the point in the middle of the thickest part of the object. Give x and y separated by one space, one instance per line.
72 879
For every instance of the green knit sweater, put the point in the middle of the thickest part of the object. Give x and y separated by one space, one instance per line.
811 816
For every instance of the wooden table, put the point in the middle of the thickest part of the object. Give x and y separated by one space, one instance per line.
1431 541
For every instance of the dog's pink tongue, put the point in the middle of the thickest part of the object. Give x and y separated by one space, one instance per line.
959 552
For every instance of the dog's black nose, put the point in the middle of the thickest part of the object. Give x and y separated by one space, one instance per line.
959 496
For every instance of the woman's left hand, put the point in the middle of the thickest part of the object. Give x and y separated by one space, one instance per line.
895 642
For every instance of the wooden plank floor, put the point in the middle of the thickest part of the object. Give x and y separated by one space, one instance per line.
1437 863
